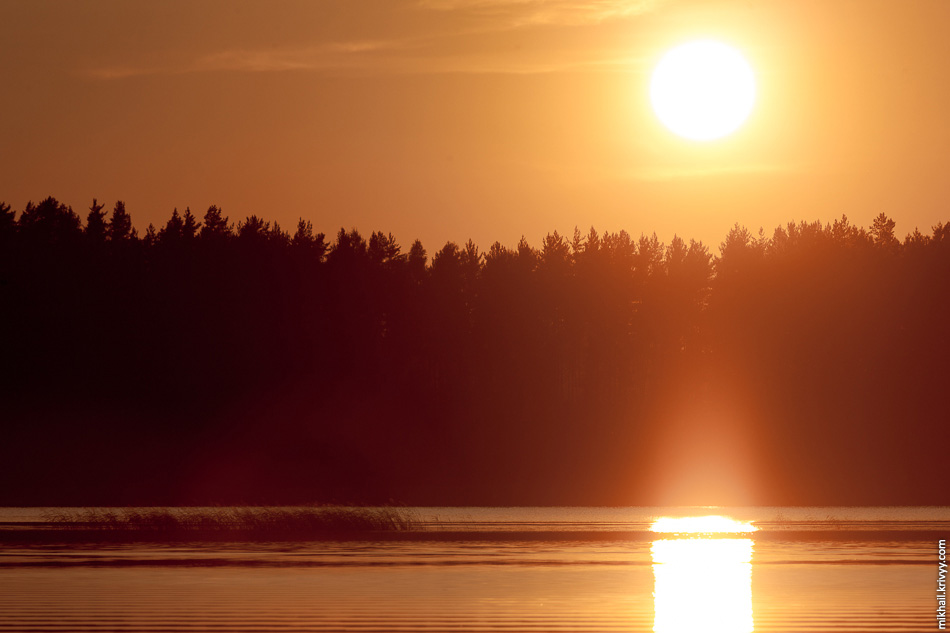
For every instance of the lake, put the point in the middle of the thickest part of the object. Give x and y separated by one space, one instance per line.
498 569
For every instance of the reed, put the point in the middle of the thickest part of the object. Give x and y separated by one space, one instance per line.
274 522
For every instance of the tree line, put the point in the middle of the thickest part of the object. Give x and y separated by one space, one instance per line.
213 361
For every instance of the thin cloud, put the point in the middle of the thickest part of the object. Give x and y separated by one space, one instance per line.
487 65
367 58
110 73
423 53
364 46
331 55
547 12
663 174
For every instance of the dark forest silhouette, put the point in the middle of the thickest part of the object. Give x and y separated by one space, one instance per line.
207 362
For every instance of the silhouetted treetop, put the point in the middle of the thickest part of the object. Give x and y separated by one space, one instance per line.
253 231
7 218
882 232
215 227
173 232
416 260
49 221
383 249
120 224
96 222
349 248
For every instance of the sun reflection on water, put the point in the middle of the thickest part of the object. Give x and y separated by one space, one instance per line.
702 583
703 525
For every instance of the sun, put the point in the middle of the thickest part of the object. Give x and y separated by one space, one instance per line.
703 90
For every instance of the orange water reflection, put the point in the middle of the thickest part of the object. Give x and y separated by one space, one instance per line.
702 582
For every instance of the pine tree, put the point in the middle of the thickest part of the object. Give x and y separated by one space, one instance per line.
96 222
7 219
190 225
173 231
882 231
215 227
119 228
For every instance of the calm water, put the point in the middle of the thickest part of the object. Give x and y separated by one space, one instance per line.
506 569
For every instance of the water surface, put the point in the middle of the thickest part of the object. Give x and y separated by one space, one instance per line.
498 569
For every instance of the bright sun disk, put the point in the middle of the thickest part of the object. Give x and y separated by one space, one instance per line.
703 90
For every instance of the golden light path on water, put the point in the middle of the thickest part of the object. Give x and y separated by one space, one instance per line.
702 582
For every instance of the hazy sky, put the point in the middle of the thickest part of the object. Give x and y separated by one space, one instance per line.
489 119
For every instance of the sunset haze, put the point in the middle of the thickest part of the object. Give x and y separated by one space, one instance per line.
483 119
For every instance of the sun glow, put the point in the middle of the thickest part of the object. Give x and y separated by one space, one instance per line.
703 90
701 525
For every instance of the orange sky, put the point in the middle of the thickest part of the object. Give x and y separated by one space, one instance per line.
489 119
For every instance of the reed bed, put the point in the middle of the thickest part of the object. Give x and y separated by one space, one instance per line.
257 522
